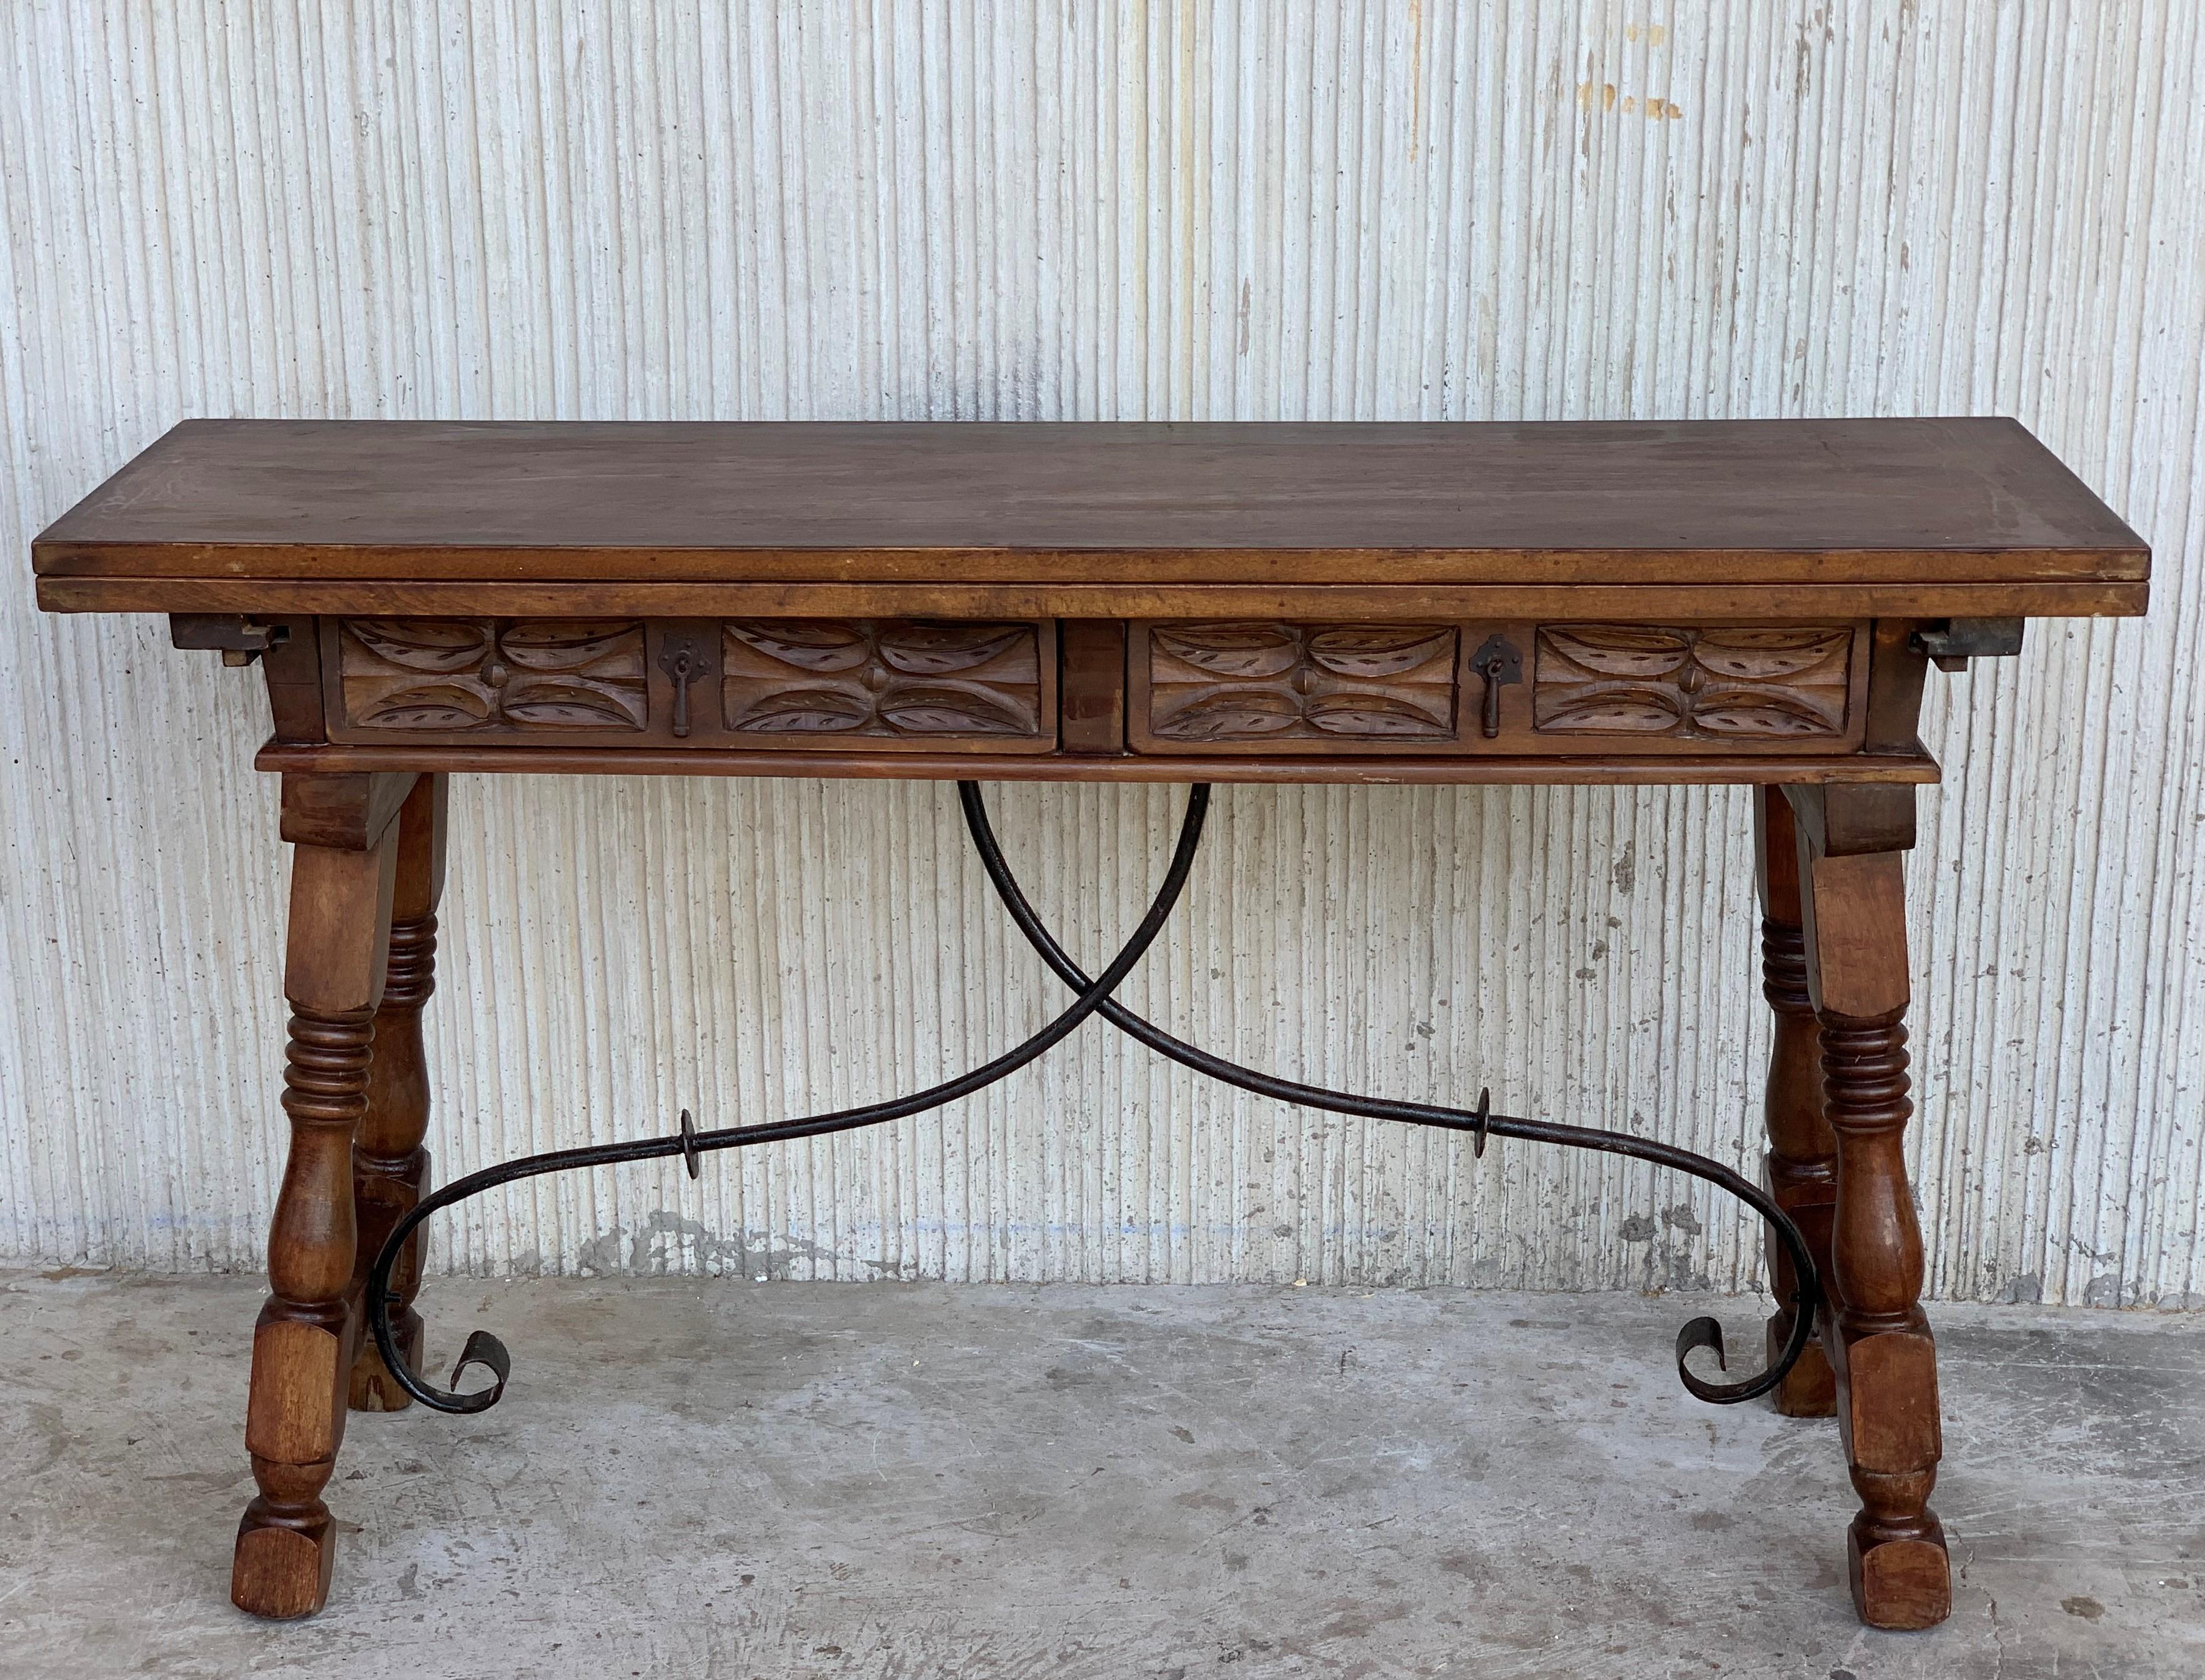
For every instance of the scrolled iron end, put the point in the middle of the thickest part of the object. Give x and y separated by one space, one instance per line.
485 1349
1699 1333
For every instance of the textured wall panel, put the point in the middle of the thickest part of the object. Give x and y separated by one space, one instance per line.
967 210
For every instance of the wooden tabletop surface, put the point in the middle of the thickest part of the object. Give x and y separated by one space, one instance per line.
1756 503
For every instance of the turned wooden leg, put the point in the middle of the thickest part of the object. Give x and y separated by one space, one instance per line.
1802 1162
302 1345
1879 1340
389 1167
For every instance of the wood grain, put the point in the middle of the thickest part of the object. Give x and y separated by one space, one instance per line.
1091 687
304 1342
889 686
1725 683
1896 669
293 671
389 1167
1253 685
433 679
1973 500
1052 595
1588 769
347 811
1801 1163
1878 1338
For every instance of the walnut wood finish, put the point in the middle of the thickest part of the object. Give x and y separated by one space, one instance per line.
1595 769
1706 596
347 812
1091 706
287 650
888 686
304 1342
389 1167
438 680
1897 669
1248 685
1802 1162
1876 1335
1381 689
1687 603
1725 684
1901 502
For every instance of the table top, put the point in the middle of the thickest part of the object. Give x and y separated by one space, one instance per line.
1932 515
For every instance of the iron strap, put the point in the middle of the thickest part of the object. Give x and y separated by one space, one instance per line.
1093 997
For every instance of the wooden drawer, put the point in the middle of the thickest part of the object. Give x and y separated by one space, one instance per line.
1386 689
448 680
1243 687
1729 688
860 685
888 684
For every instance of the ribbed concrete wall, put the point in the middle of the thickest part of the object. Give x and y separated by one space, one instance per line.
1110 210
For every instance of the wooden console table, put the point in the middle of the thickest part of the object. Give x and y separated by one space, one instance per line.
1718 601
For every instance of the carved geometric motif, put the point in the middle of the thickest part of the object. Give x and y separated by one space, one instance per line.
1263 680
447 675
881 678
1714 682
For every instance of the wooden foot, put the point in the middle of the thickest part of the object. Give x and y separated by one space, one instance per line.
303 1343
1802 1162
1881 1352
389 1167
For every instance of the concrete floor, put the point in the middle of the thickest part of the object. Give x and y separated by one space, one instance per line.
711 1479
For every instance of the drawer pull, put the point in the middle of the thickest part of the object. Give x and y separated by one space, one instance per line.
1498 661
680 659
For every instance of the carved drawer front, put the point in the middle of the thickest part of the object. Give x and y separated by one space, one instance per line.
1351 690
1698 688
1243 687
557 681
888 684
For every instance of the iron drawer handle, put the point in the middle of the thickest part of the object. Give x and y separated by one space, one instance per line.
681 661
1499 662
